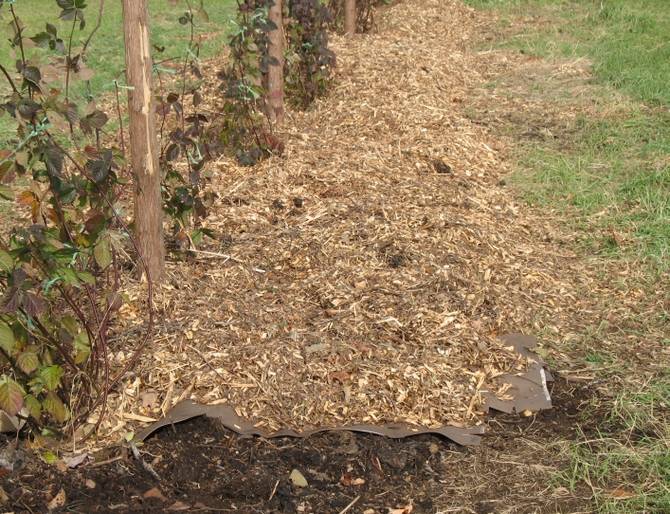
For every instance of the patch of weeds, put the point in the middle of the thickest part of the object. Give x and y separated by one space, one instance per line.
627 463
612 179
609 178
595 357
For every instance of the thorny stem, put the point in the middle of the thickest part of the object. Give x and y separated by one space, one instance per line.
150 322
186 57
9 79
68 67
19 31
101 9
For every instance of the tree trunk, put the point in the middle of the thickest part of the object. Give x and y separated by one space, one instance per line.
349 17
143 139
275 92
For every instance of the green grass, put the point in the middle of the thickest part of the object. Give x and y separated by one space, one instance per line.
609 178
615 180
627 463
106 52
626 39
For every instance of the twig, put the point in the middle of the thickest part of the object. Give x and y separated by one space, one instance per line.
101 9
9 78
137 352
346 509
225 256
204 359
147 467
105 462
274 490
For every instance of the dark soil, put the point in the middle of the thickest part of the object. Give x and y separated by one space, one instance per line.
202 467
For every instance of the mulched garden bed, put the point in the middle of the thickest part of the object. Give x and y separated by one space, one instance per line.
366 275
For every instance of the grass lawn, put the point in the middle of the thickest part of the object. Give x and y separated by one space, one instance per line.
610 182
618 171
106 52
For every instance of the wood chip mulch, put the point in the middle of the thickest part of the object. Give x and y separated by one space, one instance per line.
365 275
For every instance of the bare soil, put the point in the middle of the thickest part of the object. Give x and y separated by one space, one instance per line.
201 467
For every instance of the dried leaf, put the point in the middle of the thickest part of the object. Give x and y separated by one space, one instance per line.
347 480
149 399
154 492
75 460
298 479
178 505
620 493
407 509
11 396
57 501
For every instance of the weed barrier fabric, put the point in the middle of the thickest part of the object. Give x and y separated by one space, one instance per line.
527 392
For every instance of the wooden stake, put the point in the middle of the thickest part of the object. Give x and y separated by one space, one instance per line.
275 92
349 17
143 139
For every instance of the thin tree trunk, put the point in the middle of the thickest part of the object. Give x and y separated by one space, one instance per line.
275 92
143 139
349 17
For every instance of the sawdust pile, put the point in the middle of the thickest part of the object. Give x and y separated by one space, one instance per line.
365 275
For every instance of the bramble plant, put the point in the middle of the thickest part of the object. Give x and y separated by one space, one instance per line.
60 261
62 255
244 128
308 71
186 199
309 61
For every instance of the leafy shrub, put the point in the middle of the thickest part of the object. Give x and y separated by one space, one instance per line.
309 61
186 195
244 128
60 260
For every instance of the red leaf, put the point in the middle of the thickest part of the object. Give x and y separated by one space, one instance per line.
11 396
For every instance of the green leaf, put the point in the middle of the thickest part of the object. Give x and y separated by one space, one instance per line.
70 324
54 406
86 277
6 193
11 396
103 252
97 119
34 406
6 261
82 347
32 74
7 339
42 39
69 276
28 362
50 457
51 376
